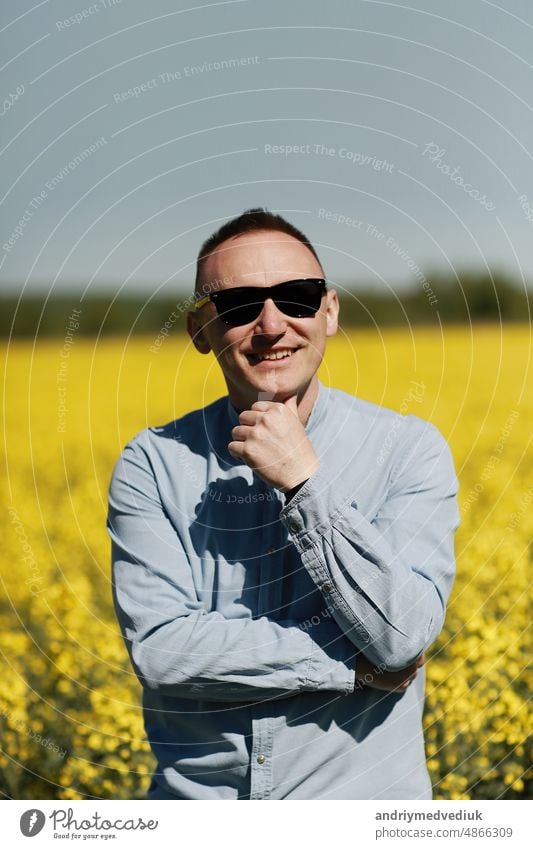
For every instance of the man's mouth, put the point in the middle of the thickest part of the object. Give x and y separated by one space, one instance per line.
281 354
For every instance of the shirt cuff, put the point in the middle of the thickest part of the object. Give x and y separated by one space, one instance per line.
317 505
290 492
332 666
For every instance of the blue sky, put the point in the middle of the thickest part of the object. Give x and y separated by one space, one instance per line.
396 135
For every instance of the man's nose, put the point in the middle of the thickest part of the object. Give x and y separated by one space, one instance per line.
271 321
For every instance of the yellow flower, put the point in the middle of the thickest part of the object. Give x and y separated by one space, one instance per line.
66 671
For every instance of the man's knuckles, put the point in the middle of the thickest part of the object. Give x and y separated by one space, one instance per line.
249 417
270 409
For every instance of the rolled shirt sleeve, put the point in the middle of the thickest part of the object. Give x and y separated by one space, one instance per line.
176 646
386 578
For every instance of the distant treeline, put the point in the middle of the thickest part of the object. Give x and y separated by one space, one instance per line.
440 300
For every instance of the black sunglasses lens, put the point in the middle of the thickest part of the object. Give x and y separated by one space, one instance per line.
299 299
296 298
236 308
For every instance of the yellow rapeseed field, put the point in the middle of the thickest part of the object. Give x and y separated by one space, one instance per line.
69 702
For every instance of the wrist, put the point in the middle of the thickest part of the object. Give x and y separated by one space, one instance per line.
305 474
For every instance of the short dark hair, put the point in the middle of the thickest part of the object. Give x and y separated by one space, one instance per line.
250 221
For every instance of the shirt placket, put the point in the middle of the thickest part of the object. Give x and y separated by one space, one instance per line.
261 771
262 750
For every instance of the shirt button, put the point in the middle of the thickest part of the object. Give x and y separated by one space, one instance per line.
294 527
261 759
327 588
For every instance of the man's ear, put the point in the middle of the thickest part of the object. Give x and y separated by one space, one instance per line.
332 312
196 332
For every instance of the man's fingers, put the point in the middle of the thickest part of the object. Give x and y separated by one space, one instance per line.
291 402
236 449
250 417
241 432
390 681
263 406
403 685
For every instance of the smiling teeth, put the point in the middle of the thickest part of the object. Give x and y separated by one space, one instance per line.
276 355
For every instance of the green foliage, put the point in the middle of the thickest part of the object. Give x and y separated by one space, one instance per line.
469 297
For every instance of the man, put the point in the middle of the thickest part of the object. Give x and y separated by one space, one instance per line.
281 558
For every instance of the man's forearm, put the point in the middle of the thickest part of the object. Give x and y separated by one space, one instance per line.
238 660
385 578
179 648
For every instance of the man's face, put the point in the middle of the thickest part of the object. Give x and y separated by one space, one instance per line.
264 259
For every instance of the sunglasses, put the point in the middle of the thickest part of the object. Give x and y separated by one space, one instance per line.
243 304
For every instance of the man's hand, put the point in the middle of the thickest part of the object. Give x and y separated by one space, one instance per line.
373 676
272 440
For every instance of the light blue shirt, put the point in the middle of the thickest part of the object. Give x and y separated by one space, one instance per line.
243 615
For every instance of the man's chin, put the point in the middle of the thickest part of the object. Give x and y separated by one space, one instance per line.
276 387
263 391
268 387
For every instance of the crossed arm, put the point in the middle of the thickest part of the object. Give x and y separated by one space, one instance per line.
387 604
386 581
